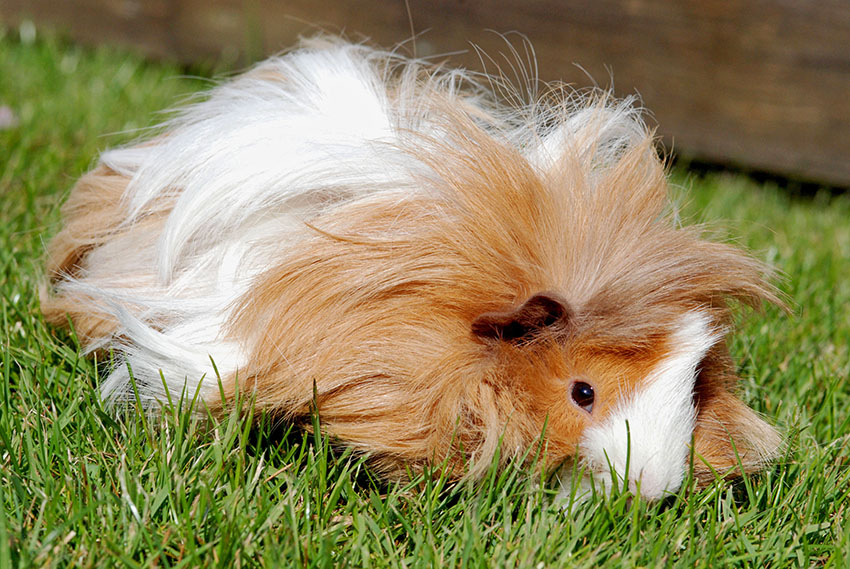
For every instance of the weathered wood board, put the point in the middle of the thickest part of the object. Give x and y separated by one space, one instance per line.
762 84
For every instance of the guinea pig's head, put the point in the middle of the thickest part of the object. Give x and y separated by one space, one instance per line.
614 339
628 403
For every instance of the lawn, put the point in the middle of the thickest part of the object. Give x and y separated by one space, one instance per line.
86 486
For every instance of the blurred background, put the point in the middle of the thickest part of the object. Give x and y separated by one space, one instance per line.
759 85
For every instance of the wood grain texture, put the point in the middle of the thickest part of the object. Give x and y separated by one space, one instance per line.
762 84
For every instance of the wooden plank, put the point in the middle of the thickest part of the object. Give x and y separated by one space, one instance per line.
763 84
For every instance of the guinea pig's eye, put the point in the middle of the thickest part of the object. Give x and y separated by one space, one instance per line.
582 394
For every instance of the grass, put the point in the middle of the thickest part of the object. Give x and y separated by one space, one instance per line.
82 486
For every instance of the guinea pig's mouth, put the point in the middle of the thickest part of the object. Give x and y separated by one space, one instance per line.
576 483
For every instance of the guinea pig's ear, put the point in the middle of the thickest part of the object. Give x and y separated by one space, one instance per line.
729 434
543 313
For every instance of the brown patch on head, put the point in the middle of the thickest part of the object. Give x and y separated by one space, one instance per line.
612 366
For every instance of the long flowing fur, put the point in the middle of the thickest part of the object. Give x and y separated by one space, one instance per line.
339 216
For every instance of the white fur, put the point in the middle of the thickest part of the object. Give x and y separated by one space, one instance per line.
298 135
646 439
594 135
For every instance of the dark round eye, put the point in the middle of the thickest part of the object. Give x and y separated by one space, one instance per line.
582 394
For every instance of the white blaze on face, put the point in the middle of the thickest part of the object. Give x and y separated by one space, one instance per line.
646 438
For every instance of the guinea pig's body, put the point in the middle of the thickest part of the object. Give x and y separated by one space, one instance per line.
451 275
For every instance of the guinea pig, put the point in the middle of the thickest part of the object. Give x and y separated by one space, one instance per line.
445 275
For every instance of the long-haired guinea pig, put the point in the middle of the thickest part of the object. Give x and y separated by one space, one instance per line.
447 277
